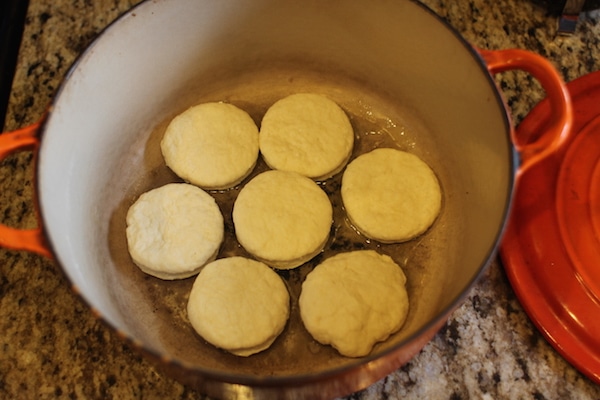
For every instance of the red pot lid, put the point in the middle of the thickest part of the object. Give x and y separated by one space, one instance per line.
551 248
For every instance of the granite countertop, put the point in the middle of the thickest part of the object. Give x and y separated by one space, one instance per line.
52 346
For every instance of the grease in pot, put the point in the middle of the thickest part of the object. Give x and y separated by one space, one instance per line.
377 122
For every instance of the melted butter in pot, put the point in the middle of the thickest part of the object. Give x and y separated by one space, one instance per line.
377 122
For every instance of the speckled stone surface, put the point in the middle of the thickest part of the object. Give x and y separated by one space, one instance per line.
52 346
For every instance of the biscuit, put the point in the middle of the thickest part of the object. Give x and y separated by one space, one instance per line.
174 230
390 195
308 134
282 218
239 305
211 145
353 300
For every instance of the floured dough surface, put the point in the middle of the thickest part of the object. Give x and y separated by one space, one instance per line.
239 305
390 195
174 230
353 300
211 145
306 133
282 218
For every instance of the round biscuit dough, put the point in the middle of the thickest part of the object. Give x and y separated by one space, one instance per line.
282 218
353 300
174 230
390 195
239 305
306 133
211 145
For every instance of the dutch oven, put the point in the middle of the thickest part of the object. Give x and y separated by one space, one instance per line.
399 72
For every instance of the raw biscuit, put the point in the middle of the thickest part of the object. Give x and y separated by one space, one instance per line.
306 133
390 195
282 218
354 300
239 305
174 230
211 145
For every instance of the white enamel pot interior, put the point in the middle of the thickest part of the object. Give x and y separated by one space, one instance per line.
401 74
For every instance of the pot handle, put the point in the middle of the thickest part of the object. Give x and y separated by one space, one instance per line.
23 239
559 124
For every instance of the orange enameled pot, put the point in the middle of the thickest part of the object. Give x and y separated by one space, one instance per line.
404 77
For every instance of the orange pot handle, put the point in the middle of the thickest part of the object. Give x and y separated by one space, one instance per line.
23 239
557 130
